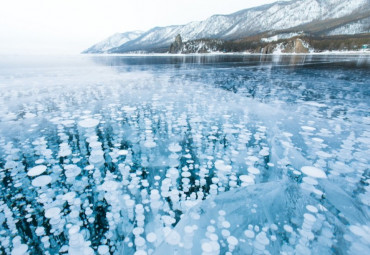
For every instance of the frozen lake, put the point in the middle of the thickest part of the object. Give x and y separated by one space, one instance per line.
216 154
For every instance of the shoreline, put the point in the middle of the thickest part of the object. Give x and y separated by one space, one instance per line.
329 53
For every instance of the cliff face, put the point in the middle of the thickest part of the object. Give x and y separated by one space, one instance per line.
300 47
176 46
289 46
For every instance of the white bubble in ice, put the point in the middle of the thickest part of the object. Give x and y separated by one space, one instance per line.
215 247
220 165
95 145
69 196
71 171
246 178
122 152
232 240
308 129
173 237
138 231
103 249
213 237
274 227
252 158
150 144
211 229
74 229
40 231
310 180
225 224
288 228
323 154
174 147
41 181
221 212
317 139
262 238
39 161
110 186
188 230
186 174
168 220
88 123
67 123
249 233
140 252
313 172
96 157
139 241
20 249
207 247
312 208
52 212
225 232
130 203
37 170
151 237
88 251
89 167
254 170
309 217
264 152
357 230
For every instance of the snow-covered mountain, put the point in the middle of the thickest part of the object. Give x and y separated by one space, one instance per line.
113 42
356 27
277 16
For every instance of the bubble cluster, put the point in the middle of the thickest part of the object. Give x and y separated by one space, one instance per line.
181 161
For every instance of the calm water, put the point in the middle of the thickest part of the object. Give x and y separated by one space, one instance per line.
231 154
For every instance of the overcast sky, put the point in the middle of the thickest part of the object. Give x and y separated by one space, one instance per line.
70 26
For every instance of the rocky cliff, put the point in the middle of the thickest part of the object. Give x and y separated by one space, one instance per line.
176 46
289 46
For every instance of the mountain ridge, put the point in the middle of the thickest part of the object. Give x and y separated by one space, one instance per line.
113 41
277 16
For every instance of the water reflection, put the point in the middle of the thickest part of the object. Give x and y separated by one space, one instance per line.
239 60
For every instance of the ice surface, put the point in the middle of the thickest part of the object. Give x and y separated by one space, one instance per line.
156 155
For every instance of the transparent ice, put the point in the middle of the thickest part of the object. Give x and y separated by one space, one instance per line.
185 155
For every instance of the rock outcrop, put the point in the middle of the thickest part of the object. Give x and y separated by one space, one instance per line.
296 46
289 46
176 46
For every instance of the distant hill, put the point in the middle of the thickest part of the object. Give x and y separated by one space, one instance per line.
264 24
113 41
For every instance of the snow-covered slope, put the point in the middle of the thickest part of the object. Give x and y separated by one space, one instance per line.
113 41
357 27
276 16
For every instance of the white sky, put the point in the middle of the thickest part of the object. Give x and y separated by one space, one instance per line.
70 26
